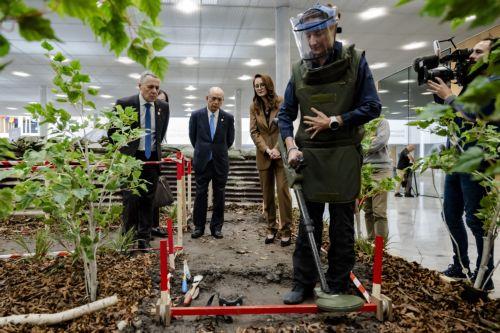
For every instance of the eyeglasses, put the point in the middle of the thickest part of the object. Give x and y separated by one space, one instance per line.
213 98
259 85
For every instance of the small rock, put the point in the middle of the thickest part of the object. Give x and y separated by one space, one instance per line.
121 325
137 323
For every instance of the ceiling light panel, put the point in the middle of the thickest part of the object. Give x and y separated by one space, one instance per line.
414 46
265 42
372 13
188 6
21 74
189 61
378 65
254 62
244 77
125 60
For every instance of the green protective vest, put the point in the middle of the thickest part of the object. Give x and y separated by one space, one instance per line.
333 159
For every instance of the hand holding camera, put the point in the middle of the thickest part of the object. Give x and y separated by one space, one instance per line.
440 88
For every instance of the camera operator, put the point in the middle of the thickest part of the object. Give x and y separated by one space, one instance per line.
461 191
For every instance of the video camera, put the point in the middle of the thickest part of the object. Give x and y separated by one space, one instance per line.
433 66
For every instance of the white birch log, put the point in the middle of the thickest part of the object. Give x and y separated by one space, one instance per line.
56 318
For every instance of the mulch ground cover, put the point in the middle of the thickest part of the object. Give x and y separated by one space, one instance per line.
27 226
422 301
55 285
17 226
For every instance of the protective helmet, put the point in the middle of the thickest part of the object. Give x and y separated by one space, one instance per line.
311 25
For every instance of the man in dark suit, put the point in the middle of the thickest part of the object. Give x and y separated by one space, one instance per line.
211 131
153 116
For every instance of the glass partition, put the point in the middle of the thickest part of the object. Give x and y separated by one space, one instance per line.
401 95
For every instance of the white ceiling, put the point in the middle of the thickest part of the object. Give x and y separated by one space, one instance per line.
222 37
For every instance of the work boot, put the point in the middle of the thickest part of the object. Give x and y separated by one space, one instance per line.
455 272
297 295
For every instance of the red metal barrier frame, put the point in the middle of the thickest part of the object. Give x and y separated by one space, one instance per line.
254 310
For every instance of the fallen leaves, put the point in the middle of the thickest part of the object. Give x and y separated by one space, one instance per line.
29 289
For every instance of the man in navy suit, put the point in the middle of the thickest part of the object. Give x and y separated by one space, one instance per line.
153 116
211 131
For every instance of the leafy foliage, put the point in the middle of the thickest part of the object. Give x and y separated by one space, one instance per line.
5 149
69 182
456 11
43 243
370 186
111 21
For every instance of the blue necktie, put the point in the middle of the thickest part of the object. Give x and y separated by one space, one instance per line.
212 131
147 139
212 126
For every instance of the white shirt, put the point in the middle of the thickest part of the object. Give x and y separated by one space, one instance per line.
209 113
142 115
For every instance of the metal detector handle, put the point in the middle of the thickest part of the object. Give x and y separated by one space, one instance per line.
293 177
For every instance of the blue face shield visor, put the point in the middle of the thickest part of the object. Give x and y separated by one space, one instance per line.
318 17
314 32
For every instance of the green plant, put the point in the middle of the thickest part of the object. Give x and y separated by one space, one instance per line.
457 11
370 186
172 212
25 143
43 243
122 242
68 181
118 24
5 149
367 247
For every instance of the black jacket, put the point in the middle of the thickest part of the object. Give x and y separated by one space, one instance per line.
162 116
199 134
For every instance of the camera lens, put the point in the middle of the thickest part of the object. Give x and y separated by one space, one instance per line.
443 73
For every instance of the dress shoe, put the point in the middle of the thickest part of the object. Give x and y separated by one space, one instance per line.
270 238
143 246
286 241
409 196
217 234
298 294
158 232
197 233
399 195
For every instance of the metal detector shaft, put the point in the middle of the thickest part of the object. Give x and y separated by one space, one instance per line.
308 224
294 179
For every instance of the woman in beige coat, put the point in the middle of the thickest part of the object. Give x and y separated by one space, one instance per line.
264 133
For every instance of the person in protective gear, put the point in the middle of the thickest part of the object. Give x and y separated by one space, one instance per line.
333 86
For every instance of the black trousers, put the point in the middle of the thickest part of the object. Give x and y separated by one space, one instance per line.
138 211
341 254
201 199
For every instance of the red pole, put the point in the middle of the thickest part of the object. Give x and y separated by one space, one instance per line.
170 230
180 170
255 309
163 265
377 265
